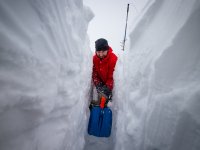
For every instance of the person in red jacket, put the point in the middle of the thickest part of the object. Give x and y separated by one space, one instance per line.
104 62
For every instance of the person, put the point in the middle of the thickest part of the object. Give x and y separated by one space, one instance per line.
104 62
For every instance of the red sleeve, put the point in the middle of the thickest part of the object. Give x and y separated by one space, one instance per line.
110 81
95 77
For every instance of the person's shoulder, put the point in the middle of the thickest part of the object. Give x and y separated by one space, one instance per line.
113 56
112 53
95 58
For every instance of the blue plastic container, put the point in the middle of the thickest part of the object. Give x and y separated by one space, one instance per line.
100 122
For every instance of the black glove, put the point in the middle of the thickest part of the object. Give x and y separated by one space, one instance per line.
90 106
99 86
105 90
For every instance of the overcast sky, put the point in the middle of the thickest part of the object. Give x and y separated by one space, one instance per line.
110 18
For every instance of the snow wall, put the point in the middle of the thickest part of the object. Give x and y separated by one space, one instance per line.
158 98
45 77
45 74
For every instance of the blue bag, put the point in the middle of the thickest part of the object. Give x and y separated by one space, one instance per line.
100 122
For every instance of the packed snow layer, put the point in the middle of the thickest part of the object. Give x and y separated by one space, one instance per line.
159 90
45 74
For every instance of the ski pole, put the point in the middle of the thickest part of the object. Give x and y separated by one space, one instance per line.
125 27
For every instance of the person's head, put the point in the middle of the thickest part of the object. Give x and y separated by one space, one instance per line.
101 46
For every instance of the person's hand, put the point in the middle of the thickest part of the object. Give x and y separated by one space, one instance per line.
90 106
99 86
105 90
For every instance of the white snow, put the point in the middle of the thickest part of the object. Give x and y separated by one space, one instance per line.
45 74
45 78
159 105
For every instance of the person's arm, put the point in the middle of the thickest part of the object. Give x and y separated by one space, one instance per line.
95 77
110 81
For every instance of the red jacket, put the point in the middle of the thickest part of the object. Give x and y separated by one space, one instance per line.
103 69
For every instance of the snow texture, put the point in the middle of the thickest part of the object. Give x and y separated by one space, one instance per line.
159 104
45 78
45 74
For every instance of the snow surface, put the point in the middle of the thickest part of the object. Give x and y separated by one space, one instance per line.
45 78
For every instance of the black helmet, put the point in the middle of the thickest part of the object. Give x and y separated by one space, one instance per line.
101 44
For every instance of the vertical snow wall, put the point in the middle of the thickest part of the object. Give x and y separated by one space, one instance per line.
159 104
44 77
